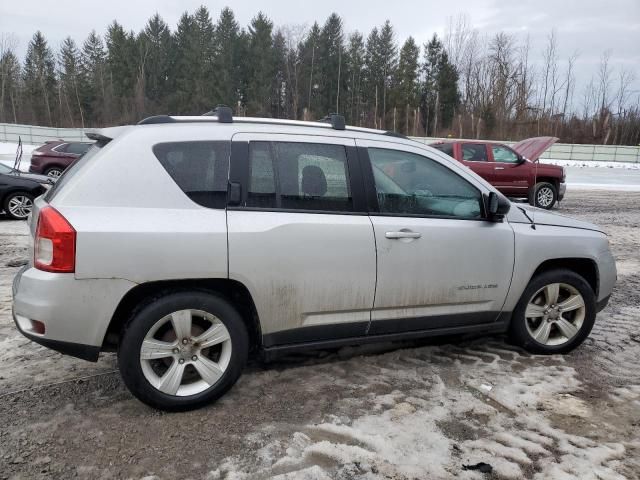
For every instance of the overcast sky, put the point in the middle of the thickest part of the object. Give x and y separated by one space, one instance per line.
586 26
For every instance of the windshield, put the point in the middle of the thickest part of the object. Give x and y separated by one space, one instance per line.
6 170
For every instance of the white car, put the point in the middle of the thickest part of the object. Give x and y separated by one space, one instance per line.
185 243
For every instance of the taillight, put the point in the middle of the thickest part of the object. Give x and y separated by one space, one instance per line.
55 243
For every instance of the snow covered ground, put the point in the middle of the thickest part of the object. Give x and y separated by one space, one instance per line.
418 410
8 155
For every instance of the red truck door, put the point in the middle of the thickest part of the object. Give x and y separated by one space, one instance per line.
510 173
476 157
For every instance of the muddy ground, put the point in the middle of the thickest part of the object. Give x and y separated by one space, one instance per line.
413 411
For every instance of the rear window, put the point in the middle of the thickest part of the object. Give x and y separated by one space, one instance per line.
200 169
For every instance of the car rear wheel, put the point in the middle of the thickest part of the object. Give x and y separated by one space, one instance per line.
53 172
544 195
18 205
183 350
555 314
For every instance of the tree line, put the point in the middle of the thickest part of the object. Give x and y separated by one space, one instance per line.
461 85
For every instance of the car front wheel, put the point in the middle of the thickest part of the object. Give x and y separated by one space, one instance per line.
544 195
555 314
183 350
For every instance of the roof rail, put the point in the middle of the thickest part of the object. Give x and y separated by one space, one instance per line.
224 114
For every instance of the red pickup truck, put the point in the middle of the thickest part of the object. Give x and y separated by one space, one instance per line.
515 170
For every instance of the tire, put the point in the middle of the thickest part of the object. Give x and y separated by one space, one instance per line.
18 205
544 195
224 361
526 328
54 172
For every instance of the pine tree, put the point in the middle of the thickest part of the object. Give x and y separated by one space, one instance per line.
226 68
155 47
440 95
261 66
373 77
121 56
389 63
280 87
10 87
407 91
94 59
308 53
330 77
73 82
186 68
40 81
355 57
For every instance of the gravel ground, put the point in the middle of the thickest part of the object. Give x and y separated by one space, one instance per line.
410 411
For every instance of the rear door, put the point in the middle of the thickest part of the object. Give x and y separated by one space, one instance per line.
476 157
441 265
300 237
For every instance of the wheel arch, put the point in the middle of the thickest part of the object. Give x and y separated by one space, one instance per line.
49 166
552 180
235 292
585 267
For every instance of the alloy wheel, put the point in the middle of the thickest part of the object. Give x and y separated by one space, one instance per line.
185 352
20 206
54 173
545 197
555 314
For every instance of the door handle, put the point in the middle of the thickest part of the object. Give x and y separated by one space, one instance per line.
498 168
402 234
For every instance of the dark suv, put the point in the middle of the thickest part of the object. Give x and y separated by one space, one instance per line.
54 156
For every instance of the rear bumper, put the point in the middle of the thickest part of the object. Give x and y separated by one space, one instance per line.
75 313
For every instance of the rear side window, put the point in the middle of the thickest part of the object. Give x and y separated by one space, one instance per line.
78 148
298 176
199 168
444 148
474 152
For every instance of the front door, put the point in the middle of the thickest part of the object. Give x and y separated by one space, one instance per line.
440 263
510 174
300 238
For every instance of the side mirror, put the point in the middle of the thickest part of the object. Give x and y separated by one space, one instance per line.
497 206
521 160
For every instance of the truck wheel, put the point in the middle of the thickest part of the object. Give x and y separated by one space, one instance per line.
555 313
544 195
181 351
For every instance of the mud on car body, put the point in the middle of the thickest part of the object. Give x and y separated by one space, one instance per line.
274 236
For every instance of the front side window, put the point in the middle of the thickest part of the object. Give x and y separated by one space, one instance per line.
199 168
298 176
504 155
410 184
474 152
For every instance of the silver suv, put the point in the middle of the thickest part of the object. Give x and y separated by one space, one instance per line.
185 243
